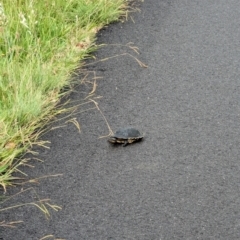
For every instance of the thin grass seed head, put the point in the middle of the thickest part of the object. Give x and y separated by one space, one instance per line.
3 18
23 21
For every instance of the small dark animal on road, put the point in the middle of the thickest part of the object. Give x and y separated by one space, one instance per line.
126 136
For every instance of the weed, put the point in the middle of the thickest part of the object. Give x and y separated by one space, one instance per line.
41 44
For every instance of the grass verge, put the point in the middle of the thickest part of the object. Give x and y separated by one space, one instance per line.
41 43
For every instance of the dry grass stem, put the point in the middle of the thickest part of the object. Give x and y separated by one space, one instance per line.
109 128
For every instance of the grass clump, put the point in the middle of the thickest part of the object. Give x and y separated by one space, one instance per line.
41 43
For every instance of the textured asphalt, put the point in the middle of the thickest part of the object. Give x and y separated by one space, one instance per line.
183 180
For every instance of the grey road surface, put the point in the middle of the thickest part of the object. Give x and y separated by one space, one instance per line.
183 180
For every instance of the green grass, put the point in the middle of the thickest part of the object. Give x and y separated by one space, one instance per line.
41 43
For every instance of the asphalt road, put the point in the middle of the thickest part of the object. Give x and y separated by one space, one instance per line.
182 181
